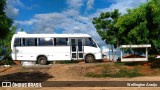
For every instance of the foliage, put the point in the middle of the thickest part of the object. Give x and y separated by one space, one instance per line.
7 60
153 24
104 25
5 22
5 44
140 25
131 26
6 33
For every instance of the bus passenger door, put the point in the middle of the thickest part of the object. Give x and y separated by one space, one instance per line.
77 48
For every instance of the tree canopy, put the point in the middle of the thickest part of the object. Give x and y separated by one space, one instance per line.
105 26
6 32
140 25
6 43
5 22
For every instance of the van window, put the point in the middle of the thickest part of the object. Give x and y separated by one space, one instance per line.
60 41
17 42
45 42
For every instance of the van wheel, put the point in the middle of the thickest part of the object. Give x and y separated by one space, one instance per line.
42 60
89 59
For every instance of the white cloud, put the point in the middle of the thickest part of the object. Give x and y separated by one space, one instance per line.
15 3
47 23
26 22
11 12
70 20
12 8
75 4
71 12
90 4
123 5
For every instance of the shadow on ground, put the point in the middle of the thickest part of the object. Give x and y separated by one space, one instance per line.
155 64
26 76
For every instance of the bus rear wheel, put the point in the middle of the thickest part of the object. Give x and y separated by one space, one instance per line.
89 59
42 60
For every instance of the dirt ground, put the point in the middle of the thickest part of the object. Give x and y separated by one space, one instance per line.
70 72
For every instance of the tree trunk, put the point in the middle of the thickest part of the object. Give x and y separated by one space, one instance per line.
112 53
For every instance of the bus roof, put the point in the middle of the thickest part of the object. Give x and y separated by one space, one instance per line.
50 35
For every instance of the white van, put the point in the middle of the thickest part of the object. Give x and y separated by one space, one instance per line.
42 48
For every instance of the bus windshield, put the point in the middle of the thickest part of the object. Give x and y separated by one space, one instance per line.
90 42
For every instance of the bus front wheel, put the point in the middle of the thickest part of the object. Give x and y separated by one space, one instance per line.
42 60
89 59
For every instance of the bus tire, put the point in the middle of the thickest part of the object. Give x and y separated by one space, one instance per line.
89 59
42 60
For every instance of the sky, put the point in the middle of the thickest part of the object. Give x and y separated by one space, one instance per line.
63 16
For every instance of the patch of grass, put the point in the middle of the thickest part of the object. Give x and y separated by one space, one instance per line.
118 64
127 73
103 65
119 74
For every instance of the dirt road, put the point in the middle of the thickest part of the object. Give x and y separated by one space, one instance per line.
66 72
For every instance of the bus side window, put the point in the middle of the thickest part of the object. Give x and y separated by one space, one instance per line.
30 42
45 42
24 42
61 42
17 42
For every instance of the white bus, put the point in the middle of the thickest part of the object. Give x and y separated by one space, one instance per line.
43 48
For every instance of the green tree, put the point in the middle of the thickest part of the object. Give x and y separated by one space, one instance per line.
5 33
132 28
105 26
153 24
5 22
141 26
5 43
5 49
